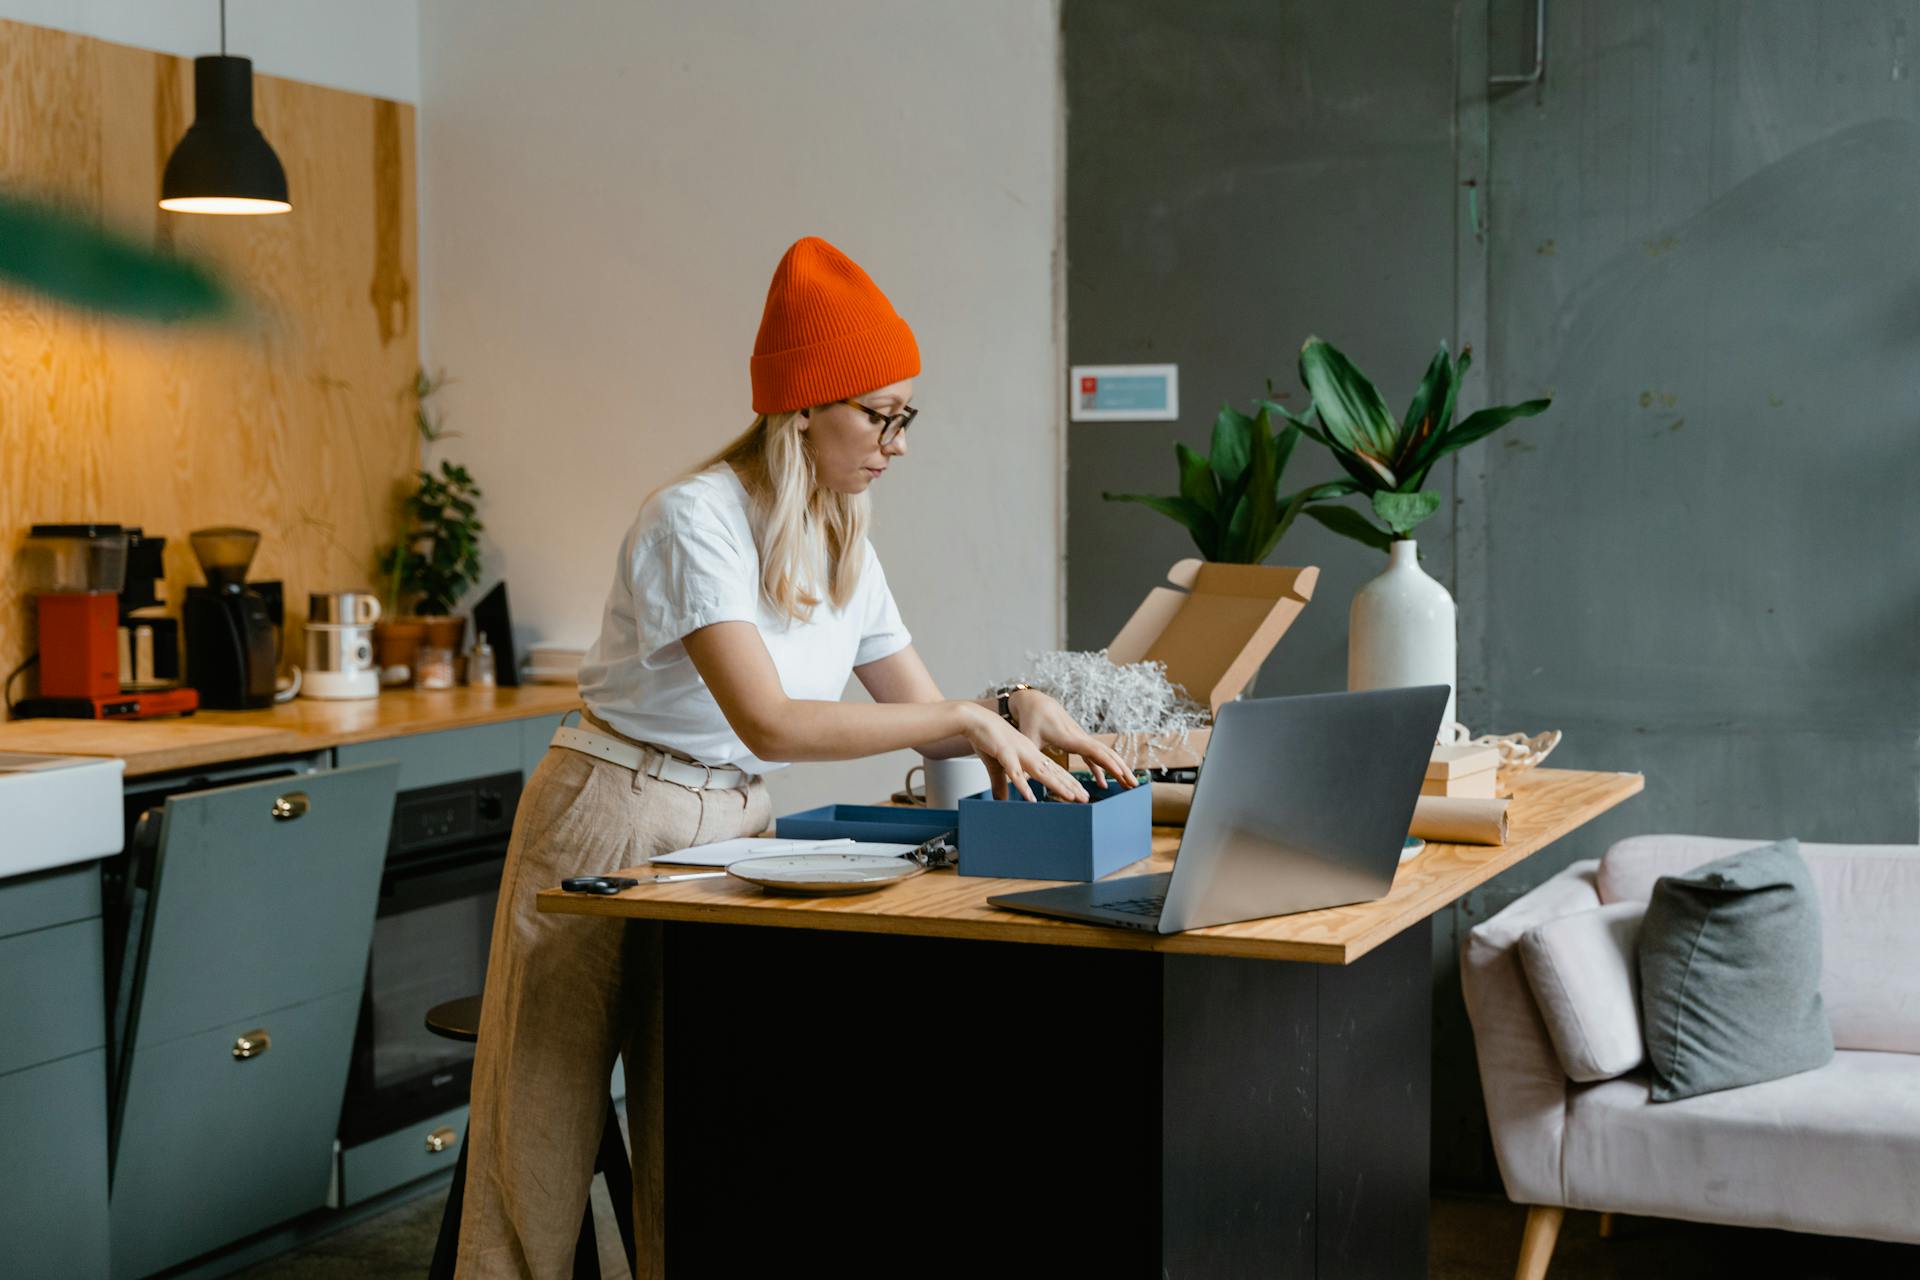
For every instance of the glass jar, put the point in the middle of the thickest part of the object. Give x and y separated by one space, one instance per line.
433 667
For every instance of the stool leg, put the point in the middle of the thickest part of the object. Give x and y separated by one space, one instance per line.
615 1165
448 1245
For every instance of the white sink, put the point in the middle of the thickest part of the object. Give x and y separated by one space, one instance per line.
56 810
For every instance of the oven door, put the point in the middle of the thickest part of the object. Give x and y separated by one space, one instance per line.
430 939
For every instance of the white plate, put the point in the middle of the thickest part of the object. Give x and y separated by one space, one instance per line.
820 874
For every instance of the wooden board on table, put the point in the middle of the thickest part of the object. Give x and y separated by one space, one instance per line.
1547 804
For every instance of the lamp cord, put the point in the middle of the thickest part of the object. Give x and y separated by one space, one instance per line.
223 28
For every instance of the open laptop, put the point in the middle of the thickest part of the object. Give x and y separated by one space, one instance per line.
1302 803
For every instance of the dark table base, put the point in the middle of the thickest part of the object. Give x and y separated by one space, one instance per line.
876 1104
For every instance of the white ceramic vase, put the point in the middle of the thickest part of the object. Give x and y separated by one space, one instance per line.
1400 630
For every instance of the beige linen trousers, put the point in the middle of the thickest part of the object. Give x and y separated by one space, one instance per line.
555 1009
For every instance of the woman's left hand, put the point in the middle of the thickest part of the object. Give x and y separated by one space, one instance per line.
1045 721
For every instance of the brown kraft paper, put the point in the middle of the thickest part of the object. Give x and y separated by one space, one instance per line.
1460 820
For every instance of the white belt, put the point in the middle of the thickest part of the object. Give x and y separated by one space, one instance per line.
700 777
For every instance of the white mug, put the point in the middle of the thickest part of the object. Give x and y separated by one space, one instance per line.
948 780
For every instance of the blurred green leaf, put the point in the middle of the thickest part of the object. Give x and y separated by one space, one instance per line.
65 256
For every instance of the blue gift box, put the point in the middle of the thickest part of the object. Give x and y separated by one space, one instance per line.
1049 840
876 822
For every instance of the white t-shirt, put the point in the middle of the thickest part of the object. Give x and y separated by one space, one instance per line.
691 560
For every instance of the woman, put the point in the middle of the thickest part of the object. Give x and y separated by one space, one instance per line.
743 597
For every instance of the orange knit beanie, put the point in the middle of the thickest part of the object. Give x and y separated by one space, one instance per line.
827 333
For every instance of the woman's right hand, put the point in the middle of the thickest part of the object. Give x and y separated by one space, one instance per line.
1012 757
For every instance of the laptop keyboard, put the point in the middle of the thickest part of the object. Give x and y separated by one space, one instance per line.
1137 906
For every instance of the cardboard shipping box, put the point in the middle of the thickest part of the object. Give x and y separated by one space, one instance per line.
1212 627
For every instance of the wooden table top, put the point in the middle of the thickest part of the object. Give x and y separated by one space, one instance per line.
305 724
1547 804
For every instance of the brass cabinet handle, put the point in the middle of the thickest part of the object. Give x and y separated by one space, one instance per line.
442 1139
252 1044
290 806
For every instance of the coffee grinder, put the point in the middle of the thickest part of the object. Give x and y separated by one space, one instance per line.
232 625
84 664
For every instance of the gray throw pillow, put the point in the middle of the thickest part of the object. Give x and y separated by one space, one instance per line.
1730 974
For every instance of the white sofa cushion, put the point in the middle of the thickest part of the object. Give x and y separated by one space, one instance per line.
1584 977
1836 1150
1869 903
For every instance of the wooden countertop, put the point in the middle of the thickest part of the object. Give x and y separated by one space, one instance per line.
1547 804
305 724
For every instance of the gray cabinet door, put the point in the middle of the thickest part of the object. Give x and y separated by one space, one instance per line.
51 982
263 896
53 1169
213 1147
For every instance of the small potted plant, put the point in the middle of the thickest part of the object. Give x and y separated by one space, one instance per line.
1230 501
438 558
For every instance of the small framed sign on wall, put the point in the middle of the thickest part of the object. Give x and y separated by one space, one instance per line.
1124 392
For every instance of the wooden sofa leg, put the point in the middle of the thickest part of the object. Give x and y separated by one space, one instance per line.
1606 1226
1536 1244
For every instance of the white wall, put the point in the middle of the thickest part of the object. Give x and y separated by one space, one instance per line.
606 188
368 46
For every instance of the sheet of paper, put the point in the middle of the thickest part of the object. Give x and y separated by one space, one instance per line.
723 853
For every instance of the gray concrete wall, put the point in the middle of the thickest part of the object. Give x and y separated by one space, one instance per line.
1241 174
1701 235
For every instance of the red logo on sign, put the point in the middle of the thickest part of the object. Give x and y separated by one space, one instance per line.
1087 385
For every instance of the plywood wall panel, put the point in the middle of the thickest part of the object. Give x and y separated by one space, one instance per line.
297 420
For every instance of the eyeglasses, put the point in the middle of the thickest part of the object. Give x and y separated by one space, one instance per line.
891 425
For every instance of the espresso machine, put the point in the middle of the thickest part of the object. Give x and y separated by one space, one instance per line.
92 627
232 625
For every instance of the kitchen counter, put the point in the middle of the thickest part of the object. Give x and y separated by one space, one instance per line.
306 724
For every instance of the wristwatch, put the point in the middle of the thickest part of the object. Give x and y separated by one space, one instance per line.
1005 693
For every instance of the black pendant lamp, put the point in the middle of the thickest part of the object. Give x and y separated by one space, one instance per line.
223 163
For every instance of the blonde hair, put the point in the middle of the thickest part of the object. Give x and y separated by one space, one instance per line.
808 534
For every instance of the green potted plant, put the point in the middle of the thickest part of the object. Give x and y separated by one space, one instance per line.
1401 625
1231 501
437 559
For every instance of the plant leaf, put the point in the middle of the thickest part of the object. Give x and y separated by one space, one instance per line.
1350 523
1487 421
1196 479
1190 515
1263 477
1232 446
1402 511
1423 419
63 255
1349 405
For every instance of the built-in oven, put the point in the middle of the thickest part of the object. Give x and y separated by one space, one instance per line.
430 938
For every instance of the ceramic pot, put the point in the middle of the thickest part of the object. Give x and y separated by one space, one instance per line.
1400 630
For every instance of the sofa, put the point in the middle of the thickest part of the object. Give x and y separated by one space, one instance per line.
1834 1151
